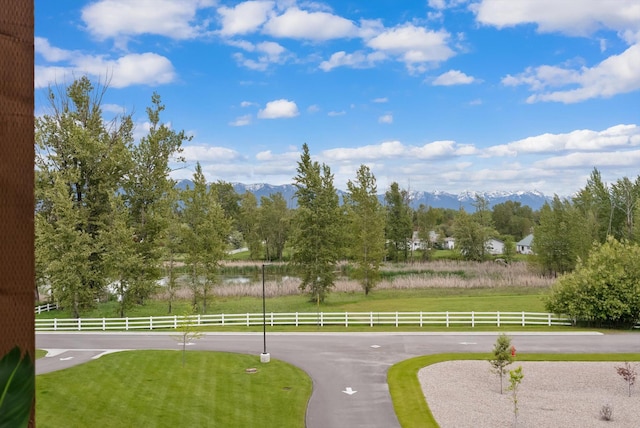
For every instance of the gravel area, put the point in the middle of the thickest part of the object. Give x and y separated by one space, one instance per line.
552 394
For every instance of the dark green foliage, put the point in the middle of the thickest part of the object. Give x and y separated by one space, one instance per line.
318 227
17 389
365 217
604 289
399 225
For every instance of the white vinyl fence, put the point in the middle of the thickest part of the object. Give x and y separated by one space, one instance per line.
346 319
46 308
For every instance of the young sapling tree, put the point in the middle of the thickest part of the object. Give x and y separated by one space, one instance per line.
515 377
186 332
501 356
628 373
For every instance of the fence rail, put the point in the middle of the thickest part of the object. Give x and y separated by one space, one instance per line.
46 308
346 319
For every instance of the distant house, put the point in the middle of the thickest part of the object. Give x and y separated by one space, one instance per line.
524 245
494 246
449 243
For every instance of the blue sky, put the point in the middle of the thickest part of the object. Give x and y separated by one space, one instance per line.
448 95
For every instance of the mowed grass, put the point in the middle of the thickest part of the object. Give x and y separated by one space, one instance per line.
406 392
153 389
411 300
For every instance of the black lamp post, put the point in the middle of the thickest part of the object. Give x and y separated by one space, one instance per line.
264 357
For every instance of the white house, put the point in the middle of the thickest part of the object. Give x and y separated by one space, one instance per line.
449 243
524 245
494 246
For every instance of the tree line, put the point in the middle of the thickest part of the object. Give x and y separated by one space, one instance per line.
108 214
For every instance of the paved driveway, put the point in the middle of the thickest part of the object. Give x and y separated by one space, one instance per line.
349 370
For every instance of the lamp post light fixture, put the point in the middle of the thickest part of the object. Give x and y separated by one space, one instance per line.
265 357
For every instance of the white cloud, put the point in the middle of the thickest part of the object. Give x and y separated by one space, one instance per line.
561 15
453 77
414 45
122 18
380 100
314 108
51 53
386 118
279 109
242 121
357 59
131 69
300 24
203 153
336 113
629 158
268 53
245 17
615 137
615 75
247 104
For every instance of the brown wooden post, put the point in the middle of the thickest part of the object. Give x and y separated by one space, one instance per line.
17 277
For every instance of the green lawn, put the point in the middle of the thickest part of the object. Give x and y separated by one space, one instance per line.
428 300
406 393
153 389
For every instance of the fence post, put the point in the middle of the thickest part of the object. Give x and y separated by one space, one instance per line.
473 319
247 319
371 319
175 322
150 322
523 323
126 324
198 319
447 318
321 319
55 324
346 319
498 316
79 324
549 318
420 318
396 319
104 324
222 318
271 319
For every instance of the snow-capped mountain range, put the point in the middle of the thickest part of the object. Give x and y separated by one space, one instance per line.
436 199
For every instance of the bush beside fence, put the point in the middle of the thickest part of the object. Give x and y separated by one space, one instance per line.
321 319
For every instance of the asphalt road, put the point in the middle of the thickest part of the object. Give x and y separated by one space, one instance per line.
349 370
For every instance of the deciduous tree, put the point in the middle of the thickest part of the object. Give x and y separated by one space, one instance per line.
316 241
366 218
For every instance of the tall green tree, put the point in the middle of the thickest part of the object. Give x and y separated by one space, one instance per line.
471 237
205 240
596 205
64 250
249 224
275 225
399 225
78 152
559 238
366 220
317 238
122 258
147 189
